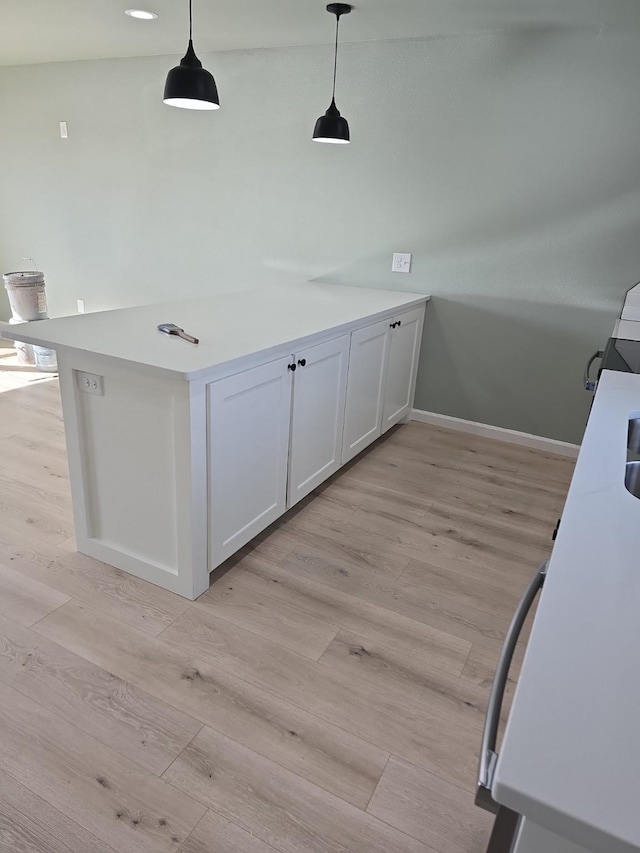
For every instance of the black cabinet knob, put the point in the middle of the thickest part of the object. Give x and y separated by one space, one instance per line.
292 367
302 362
399 323
392 325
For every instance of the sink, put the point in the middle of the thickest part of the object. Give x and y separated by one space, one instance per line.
633 436
632 477
632 468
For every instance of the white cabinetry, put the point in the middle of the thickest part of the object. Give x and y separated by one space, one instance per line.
278 430
275 433
248 439
317 417
365 387
532 838
383 364
402 369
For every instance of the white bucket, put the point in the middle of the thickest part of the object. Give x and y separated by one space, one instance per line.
24 351
45 359
26 295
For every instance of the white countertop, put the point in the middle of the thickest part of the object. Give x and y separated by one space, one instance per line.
570 759
230 326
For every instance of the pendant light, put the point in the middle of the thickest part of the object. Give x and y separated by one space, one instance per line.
189 85
332 127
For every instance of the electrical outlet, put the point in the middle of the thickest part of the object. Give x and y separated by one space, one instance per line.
64 133
80 306
401 262
90 383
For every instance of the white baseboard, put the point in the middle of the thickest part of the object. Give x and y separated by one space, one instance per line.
538 442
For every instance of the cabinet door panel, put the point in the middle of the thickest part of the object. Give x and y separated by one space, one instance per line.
365 387
249 416
317 416
532 838
404 349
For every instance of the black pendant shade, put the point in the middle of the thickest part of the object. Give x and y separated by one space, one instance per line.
332 127
189 85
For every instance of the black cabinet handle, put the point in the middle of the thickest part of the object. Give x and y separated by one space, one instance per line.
393 325
302 362
292 367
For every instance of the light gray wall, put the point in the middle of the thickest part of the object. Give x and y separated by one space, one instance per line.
508 163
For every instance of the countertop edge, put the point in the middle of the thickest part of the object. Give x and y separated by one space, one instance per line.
220 368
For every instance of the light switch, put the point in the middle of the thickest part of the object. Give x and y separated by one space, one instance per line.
63 130
401 262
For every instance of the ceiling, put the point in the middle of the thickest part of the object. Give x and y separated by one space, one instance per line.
56 30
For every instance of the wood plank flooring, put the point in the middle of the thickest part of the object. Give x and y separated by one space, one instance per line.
325 695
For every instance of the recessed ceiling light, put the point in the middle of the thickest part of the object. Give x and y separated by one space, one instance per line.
141 13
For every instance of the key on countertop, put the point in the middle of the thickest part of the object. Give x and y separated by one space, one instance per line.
172 329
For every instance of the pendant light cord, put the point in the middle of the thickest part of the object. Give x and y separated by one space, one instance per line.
190 23
335 58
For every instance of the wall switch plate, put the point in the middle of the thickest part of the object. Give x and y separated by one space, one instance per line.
63 130
90 383
401 262
80 306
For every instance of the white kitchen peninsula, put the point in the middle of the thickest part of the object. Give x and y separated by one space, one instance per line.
180 454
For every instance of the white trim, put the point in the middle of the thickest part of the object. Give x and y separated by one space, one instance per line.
551 445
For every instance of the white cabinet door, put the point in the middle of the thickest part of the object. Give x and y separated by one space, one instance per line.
317 418
532 838
400 383
365 387
249 417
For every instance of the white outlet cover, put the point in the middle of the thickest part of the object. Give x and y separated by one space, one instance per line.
89 383
401 262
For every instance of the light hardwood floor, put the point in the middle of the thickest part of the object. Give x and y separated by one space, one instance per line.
326 695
